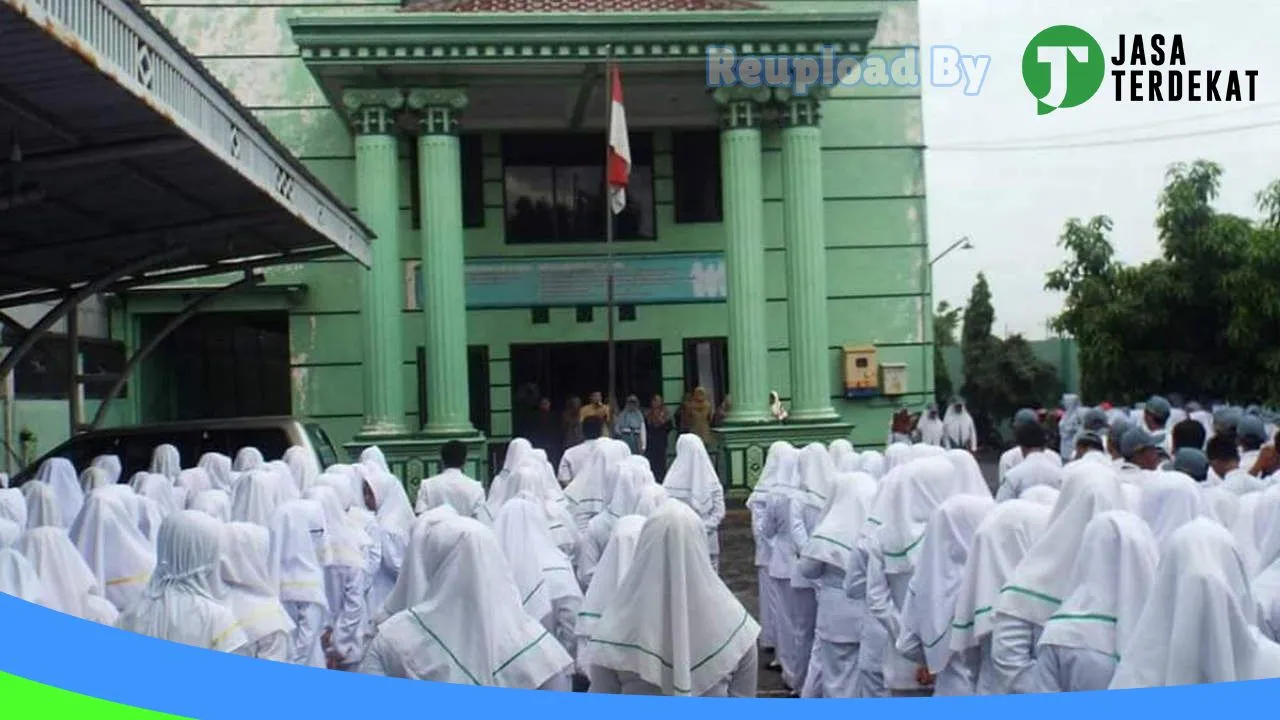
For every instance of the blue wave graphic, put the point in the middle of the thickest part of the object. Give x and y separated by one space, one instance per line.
82 657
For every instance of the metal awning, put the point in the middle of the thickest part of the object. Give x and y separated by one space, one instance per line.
123 156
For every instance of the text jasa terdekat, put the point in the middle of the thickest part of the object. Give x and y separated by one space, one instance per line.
1154 69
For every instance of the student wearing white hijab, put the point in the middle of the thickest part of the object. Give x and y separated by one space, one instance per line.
304 467
255 498
219 468
1198 625
999 544
587 493
13 507
692 479
59 474
931 595
10 533
909 503
158 488
166 461
634 492
248 458
758 504
344 565
1111 578
838 626
109 464
286 484
92 478
394 518
1042 580
1042 495
780 478
214 503
843 457
18 578
413 577
182 602
1266 582
519 451
69 584
958 430
297 528
673 627
463 622
1245 531
930 426
612 568
521 528
42 506
192 482
530 480
251 594
1169 501
814 478
452 487
1222 505
873 464
119 555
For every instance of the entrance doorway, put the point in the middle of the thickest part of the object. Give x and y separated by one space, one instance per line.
218 365
563 370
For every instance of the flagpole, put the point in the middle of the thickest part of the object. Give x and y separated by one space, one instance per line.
612 398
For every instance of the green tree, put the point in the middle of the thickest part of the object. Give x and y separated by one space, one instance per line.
1000 375
946 322
1202 319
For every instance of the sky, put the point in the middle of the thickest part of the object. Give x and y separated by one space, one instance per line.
1013 205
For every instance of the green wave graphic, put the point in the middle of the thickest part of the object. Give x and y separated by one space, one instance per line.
28 699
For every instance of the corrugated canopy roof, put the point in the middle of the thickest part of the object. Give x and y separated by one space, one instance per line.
578 6
117 144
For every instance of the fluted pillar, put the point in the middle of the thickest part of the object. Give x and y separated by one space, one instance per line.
805 239
371 113
741 177
443 270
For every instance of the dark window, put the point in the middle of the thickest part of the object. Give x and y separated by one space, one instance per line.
695 157
43 373
585 313
541 315
471 150
627 313
477 387
554 189
706 365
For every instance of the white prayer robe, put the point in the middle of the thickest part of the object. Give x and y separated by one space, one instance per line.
673 627
250 593
1111 581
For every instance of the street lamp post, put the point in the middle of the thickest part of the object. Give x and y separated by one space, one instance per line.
964 243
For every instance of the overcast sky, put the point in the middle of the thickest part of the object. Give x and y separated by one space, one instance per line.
1014 204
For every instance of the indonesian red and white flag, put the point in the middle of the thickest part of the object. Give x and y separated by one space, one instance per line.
619 165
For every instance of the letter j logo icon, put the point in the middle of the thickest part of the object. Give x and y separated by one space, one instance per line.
1063 67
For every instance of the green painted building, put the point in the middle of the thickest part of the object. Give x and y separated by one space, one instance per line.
763 235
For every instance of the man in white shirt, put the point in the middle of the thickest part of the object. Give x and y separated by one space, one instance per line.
575 458
1155 420
452 487
1014 455
1251 433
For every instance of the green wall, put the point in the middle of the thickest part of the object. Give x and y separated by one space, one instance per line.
875 210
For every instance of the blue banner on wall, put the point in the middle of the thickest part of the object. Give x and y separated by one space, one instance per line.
535 282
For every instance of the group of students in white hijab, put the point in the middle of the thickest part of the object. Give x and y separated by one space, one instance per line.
608 581
901 575
271 559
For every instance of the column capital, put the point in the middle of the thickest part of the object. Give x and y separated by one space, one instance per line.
437 109
740 107
799 110
372 111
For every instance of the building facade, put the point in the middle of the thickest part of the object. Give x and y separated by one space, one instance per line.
764 233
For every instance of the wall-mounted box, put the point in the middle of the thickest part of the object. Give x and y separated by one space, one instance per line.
893 379
861 378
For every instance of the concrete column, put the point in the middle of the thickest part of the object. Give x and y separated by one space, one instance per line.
806 256
740 173
443 268
371 113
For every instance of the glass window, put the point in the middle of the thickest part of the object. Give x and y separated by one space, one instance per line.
471 150
554 189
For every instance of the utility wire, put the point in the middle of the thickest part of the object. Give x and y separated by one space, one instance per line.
1116 129
1104 143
